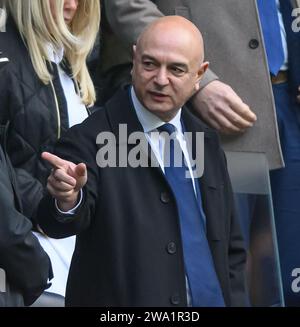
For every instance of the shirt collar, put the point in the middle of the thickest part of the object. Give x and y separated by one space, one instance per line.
148 120
54 55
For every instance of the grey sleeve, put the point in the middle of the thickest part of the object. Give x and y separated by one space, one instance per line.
208 77
129 18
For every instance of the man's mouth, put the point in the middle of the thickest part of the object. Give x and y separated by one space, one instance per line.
158 96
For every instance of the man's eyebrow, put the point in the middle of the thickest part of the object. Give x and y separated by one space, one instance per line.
177 64
145 56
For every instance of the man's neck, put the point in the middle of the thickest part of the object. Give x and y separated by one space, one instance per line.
148 120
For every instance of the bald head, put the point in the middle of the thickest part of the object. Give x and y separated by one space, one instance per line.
176 30
168 65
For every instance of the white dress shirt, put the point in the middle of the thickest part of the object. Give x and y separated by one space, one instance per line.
77 111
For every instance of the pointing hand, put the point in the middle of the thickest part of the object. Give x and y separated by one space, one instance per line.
65 181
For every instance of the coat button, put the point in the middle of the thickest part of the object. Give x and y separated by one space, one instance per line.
171 248
175 299
165 197
253 44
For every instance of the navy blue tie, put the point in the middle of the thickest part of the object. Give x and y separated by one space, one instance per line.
271 30
203 282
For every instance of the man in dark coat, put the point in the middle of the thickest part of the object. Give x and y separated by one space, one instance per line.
131 249
237 36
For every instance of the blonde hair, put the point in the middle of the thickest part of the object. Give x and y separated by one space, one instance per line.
38 28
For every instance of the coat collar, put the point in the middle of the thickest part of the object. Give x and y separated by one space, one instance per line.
120 110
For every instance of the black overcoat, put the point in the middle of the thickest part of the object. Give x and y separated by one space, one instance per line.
129 250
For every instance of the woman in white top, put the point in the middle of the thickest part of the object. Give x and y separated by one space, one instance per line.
46 89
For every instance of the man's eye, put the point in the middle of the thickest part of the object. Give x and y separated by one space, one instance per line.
148 64
177 71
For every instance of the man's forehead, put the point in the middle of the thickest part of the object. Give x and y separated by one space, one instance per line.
169 43
159 55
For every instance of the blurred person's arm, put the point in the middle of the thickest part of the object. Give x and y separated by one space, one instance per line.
216 103
221 108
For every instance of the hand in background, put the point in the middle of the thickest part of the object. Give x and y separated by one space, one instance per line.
221 108
65 181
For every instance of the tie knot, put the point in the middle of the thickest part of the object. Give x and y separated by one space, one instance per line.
169 128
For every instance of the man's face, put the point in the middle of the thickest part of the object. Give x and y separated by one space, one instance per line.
165 73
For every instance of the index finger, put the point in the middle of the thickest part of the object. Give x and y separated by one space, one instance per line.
54 160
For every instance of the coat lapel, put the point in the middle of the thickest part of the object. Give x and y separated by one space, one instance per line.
120 111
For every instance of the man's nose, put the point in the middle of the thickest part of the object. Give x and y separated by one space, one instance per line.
162 77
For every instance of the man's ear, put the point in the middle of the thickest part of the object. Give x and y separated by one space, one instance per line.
134 51
200 74
133 56
3 17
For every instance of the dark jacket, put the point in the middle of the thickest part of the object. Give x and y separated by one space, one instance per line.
36 121
129 217
24 265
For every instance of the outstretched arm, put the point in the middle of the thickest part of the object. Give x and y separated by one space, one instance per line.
68 176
